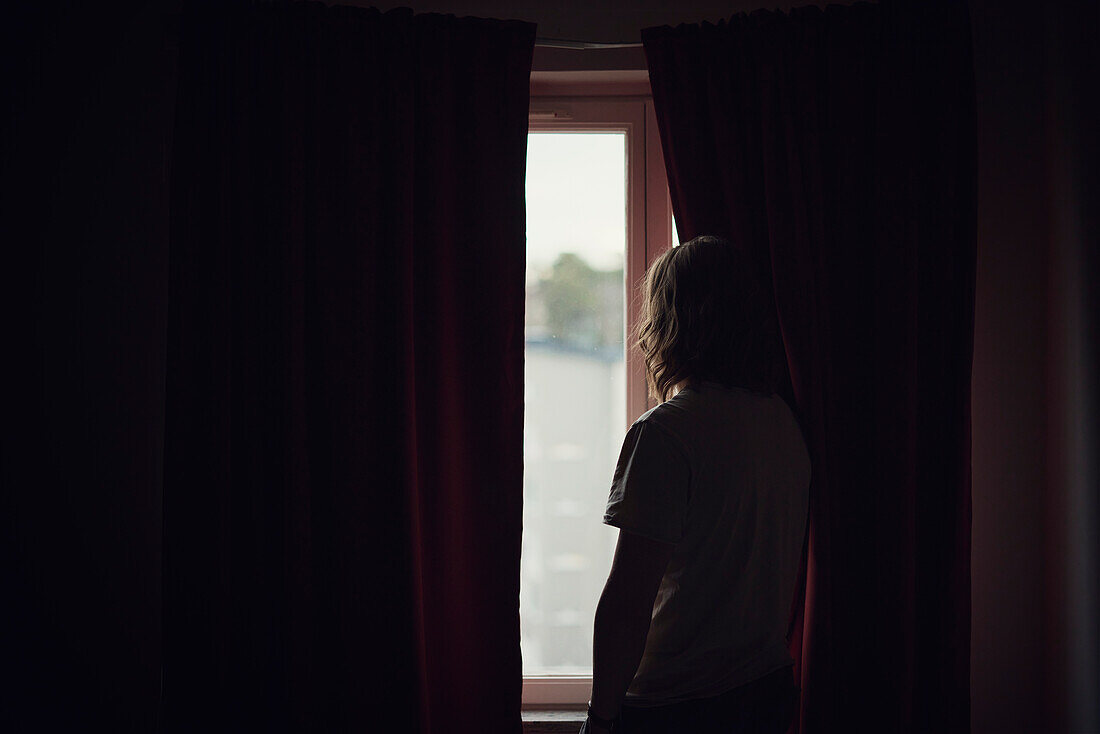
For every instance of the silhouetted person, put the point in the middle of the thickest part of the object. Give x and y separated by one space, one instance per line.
710 495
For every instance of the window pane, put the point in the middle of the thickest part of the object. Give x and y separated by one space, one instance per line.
575 389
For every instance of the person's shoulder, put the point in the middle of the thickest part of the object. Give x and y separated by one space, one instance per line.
672 418
667 414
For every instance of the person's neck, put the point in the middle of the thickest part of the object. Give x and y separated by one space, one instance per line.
683 384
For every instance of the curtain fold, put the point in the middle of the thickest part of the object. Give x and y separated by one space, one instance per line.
343 462
838 145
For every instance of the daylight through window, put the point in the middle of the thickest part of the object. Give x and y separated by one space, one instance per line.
575 389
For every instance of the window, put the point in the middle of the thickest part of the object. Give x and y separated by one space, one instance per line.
597 213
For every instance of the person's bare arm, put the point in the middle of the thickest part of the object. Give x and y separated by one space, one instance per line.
622 618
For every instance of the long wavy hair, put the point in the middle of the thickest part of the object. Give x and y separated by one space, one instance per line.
708 315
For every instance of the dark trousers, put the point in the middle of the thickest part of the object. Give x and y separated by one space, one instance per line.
764 706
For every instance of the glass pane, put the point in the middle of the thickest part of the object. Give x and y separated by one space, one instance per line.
574 392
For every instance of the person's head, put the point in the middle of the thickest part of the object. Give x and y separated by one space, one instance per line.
708 315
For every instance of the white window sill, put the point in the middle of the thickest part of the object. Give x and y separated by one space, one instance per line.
552 721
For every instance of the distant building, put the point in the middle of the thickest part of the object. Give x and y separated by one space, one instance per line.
575 420
574 423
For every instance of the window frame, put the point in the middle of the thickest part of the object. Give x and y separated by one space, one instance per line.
610 101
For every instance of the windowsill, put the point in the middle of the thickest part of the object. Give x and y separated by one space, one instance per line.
552 720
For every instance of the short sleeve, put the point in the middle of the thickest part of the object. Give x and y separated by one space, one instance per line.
651 486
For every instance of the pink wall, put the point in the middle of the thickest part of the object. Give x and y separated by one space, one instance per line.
1010 395
1034 649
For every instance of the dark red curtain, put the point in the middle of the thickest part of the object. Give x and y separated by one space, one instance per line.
839 145
342 499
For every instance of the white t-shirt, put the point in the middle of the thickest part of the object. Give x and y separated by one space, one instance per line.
724 474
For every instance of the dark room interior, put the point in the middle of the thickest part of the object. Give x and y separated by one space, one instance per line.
264 377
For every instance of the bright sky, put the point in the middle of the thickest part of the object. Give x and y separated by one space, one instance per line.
576 198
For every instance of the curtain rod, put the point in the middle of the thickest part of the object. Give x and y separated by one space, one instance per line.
580 45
